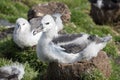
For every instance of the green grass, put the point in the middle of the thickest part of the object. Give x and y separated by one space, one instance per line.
95 74
9 52
10 10
115 71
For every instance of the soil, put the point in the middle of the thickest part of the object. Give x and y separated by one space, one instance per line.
74 71
50 8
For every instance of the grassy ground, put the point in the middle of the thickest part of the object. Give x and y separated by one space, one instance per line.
10 53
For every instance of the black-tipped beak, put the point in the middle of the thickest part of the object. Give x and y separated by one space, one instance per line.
18 25
37 30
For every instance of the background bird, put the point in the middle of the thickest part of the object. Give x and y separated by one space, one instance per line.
23 34
106 4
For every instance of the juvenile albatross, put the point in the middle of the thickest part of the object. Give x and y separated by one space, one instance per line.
12 72
23 34
48 51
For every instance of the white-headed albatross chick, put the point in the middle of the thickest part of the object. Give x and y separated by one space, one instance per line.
48 51
23 34
12 72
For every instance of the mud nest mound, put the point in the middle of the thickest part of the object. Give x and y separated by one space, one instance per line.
75 71
50 8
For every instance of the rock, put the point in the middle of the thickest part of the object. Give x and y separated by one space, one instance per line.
6 24
7 28
75 71
5 33
108 14
40 10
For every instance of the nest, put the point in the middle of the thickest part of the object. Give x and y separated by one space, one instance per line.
50 8
75 71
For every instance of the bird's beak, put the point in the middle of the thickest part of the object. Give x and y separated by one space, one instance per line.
18 25
18 28
38 29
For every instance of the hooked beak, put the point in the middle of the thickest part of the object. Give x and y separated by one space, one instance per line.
18 25
38 29
18 28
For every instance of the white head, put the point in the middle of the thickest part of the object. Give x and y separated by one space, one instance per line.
48 23
22 25
99 3
47 26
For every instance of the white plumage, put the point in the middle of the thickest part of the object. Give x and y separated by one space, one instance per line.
12 72
58 21
99 3
23 34
48 51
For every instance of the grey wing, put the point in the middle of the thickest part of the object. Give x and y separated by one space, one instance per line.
66 38
35 22
4 74
73 48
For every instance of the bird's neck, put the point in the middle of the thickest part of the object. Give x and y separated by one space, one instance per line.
48 36
51 33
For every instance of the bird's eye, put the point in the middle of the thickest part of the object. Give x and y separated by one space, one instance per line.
47 23
23 23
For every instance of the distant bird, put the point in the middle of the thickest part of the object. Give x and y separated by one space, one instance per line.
23 34
97 3
49 51
35 22
106 4
58 21
12 72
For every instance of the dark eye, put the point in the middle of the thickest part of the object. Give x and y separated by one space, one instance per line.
23 23
92 37
47 23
